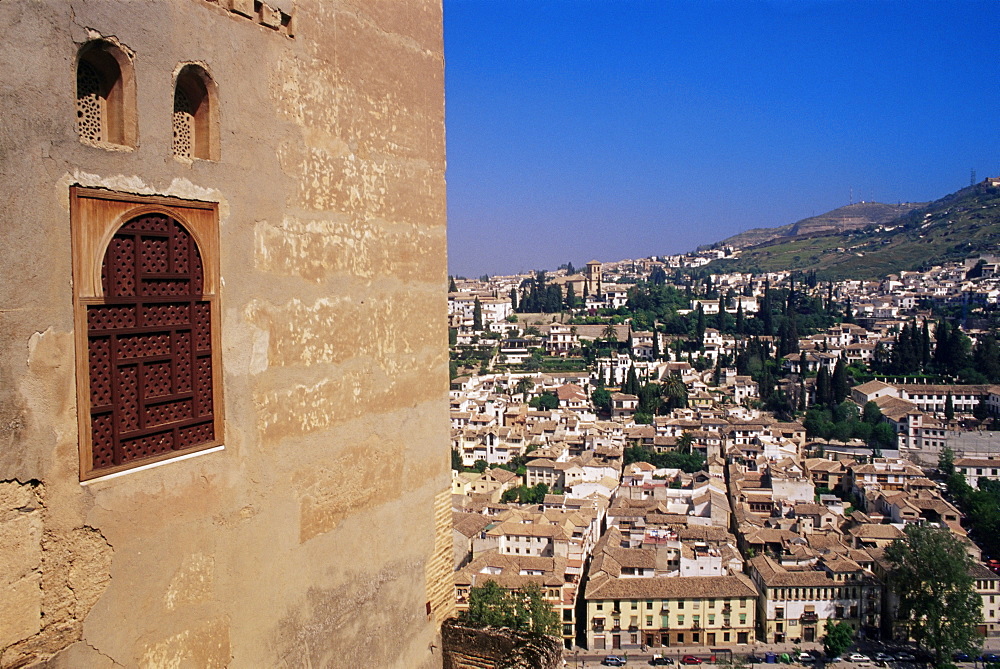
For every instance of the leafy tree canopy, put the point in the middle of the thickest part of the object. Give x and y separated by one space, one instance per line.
930 573
545 401
524 610
839 637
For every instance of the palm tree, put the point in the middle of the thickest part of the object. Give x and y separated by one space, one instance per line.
523 386
674 392
684 443
610 334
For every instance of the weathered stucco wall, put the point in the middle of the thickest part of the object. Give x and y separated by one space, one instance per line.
318 536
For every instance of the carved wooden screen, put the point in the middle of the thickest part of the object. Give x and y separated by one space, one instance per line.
150 346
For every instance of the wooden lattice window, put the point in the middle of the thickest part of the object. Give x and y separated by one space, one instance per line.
150 346
149 387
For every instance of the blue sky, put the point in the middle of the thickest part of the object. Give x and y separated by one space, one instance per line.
610 129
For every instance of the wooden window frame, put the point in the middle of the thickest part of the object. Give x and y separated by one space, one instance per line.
95 216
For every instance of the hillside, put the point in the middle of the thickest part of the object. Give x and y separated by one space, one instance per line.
850 217
955 227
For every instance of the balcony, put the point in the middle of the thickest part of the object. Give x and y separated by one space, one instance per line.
598 628
726 624
727 609
808 617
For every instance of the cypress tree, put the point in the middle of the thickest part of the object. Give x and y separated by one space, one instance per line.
925 346
823 395
631 385
477 315
699 332
840 388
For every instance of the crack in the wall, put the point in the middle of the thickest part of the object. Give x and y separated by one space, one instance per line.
104 655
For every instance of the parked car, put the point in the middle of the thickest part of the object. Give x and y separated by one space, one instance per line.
858 657
806 658
961 657
883 657
991 658
661 661
690 659
903 656
613 661
754 659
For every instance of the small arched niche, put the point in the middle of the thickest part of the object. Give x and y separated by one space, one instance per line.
105 95
195 115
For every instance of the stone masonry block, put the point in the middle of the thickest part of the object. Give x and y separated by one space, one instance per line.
270 16
22 610
244 7
20 547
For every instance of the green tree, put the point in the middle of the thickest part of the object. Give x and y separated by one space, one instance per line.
839 637
571 301
524 385
938 603
541 617
601 399
949 407
545 402
684 443
631 385
824 391
477 315
524 610
674 393
946 462
884 437
456 460
452 288
839 386
610 334
871 414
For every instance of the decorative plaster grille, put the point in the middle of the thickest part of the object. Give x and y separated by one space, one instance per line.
183 121
89 102
150 346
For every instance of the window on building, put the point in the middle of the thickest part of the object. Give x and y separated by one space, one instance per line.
105 95
195 115
147 320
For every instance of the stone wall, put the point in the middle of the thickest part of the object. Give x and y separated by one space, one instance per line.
315 535
468 648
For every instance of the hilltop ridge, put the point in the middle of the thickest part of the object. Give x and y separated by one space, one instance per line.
954 227
842 219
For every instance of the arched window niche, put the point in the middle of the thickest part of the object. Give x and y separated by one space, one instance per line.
195 115
105 95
